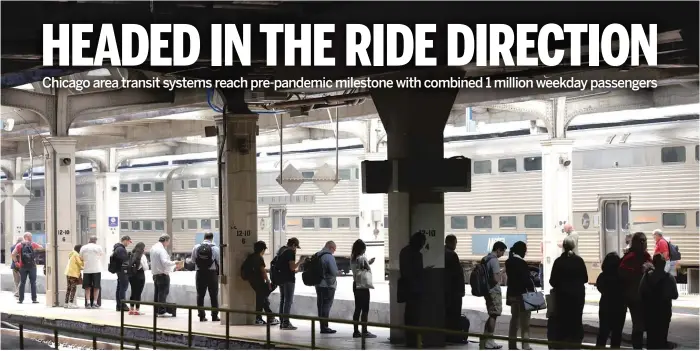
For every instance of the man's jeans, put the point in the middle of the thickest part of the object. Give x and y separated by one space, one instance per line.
24 273
286 300
161 283
122 286
324 302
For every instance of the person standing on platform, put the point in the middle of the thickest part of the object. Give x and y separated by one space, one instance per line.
454 289
611 308
73 268
632 268
25 259
658 290
494 298
92 254
207 259
254 272
15 271
571 233
161 267
137 267
360 265
121 257
411 284
325 291
519 283
568 280
286 266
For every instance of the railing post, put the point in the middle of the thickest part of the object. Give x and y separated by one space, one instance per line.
228 331
313 334
267 332
419 341
363 340
155 325
21 337
136 346
189 327
55 339
94 343
121 329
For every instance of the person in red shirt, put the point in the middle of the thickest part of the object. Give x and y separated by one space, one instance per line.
661 247
24 256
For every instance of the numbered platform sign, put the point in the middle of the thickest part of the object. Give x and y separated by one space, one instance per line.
113 222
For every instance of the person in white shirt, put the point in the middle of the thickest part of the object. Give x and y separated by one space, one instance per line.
161 266
92 254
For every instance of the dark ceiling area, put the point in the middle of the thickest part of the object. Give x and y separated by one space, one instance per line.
22 28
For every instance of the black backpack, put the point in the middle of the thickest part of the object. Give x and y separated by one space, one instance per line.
114 265
313 270
247 269
205 256
673 253
28 255
131 266
479 278
275 271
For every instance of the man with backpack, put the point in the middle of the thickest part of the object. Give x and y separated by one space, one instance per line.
321 271
24 257
283 273
117 260
253 271
669 251
485 281
206 257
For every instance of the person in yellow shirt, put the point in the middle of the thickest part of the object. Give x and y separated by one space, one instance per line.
75 265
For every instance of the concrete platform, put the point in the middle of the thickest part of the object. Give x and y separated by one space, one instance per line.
684 324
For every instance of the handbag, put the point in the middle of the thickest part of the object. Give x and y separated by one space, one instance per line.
550 300
363 278
534 301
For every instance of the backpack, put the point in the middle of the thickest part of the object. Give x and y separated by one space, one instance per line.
673 253
114 265
247 268
313 270
131 266
275 272
27 255
479 278
205 256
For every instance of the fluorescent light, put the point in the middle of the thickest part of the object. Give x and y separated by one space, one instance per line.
100 72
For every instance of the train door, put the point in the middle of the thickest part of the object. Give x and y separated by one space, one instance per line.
615 213
84 227
278 228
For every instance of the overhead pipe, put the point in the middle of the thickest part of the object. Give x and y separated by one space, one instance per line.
334 99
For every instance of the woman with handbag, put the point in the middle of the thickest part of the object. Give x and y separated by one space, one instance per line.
73 268
569 278
519 284
137 267
362 282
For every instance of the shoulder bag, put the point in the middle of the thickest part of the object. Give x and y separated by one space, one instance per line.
534 301
363 276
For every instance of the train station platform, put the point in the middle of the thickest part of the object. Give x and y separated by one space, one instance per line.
684 324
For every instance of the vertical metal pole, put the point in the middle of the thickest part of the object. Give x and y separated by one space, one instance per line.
281 126
313 334
419 341
155 325
55 339
189 327
337 146
363 341
94 343
121 329
228 329
267 332
21 337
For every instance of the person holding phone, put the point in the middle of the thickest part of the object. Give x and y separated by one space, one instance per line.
161 266
359 264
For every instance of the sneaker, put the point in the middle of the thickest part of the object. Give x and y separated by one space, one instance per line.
35 301
357 334
369 335
139 313
259 322
165 315
73 306
66 305
215 319
89 307
328 331
274 321
287 326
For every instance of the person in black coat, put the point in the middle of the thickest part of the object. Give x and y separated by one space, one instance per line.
657 290
611 308
411 287
519 282
454 289
568 280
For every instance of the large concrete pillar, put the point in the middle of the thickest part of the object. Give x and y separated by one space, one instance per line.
239 205
556 199
15 200
415 121
107 211
61 235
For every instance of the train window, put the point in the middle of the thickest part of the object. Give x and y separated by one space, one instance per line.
357 173
532 163
135 225
147 225
135 187
159 186
697 149
206 224
123 188
215 184
308 223
325 222
343 222
307 174
206 182
192 184
124 225
28 226
357 222
507 165
507 222
673 219
159 225
610 216
191 224
673 154
216 223
625 215
147 187
386 221
37 192
458 222
344 174
533 221
482 167
483 222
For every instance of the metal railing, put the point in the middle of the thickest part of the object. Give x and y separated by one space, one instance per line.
226 313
